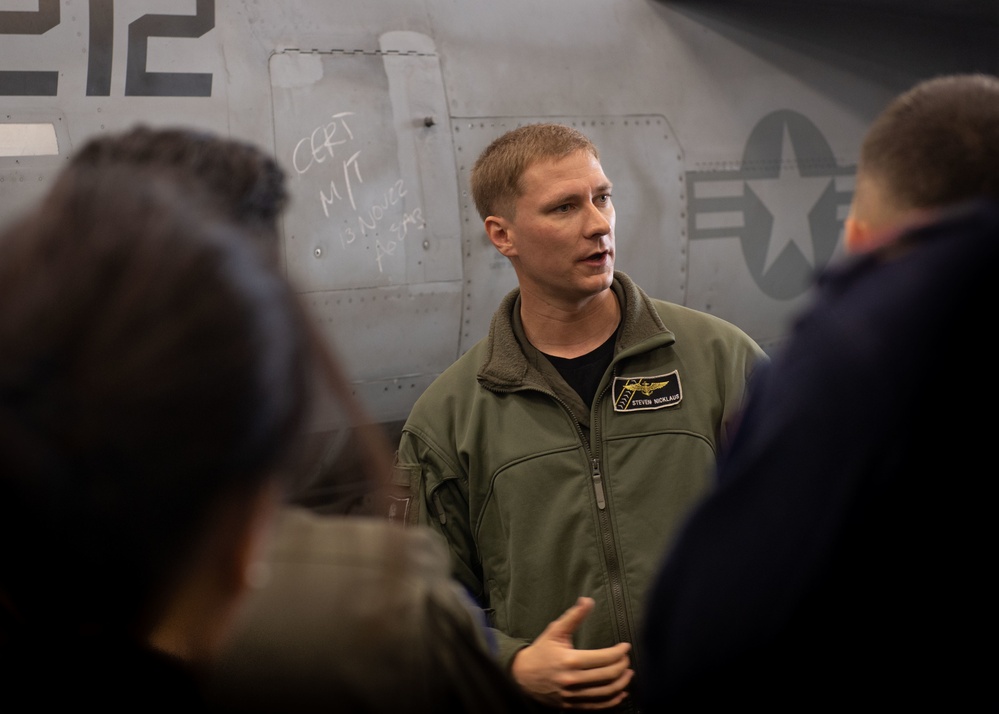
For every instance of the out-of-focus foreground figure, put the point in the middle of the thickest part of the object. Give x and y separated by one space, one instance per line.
153 384
353 614
844 559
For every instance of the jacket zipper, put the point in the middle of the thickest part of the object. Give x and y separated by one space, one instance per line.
606 537
610 551
598 483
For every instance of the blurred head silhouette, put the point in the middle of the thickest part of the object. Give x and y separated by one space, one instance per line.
240 179
153 386
933 146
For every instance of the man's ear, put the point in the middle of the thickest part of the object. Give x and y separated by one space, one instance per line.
856 236
499 235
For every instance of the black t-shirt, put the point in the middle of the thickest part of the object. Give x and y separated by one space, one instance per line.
583 373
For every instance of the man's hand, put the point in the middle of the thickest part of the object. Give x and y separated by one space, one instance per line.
555 673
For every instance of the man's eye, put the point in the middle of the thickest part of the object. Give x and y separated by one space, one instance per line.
564 208
604 198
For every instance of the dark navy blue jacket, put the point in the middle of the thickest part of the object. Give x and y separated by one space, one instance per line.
847 554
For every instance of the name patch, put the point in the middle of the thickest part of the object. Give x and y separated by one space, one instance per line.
635 394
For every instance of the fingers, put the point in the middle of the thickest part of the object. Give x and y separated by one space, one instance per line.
598 688
591 669
570 620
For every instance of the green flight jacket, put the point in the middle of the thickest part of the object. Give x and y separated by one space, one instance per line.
541 501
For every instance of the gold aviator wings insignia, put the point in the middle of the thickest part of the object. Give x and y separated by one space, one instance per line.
646 388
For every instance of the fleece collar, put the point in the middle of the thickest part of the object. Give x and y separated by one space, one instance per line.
506 365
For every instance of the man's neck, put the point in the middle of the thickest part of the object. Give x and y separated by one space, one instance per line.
570 332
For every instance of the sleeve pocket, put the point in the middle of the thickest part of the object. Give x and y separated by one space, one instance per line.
401 504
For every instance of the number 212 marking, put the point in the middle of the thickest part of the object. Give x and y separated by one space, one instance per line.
138 82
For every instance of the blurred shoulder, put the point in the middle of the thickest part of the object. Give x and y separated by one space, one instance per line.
305 538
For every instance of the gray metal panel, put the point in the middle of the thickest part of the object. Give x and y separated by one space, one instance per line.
432 236
372 239
641 157
371 180
23 179
393 342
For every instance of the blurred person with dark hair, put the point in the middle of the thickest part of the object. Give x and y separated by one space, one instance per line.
353 613
153 387
843 559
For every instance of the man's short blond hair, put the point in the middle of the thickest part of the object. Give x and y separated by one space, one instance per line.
496 175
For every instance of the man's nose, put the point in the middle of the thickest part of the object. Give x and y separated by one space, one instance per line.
599 220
